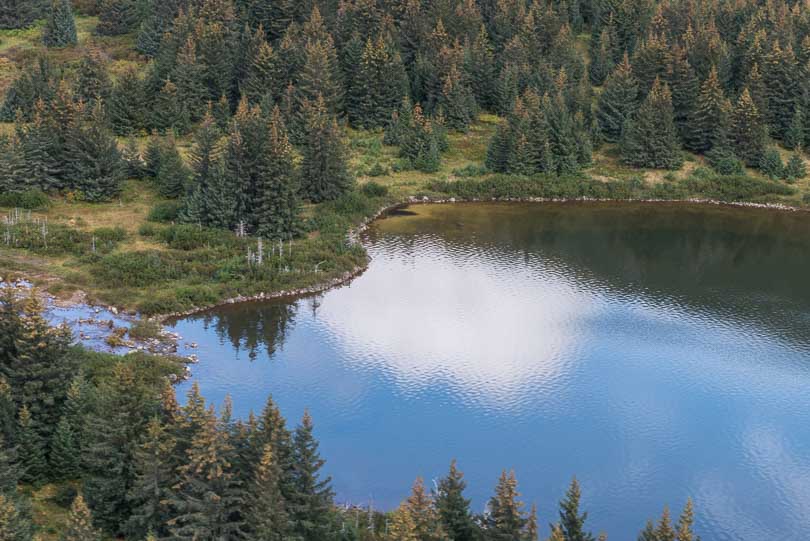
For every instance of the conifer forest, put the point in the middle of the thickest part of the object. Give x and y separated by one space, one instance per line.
162 156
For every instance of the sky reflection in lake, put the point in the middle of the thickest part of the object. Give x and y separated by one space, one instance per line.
657 352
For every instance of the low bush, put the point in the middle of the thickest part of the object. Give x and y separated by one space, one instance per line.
374 189
735 187
191 237
165 212
136 269
29 200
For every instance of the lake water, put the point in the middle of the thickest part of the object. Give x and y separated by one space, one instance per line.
658 352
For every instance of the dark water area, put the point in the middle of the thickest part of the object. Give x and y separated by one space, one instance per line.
657 352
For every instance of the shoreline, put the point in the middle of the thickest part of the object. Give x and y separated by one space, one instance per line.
354 238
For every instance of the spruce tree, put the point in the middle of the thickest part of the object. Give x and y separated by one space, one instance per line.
173 175
60 27
506 520
96 168
795 134
710 121
572 523
13 525
126 106
685 88
266 515
664 530
311 501
480 68
650 138
771 165
419 141
208 497
380 84
795 168
456 101
685 523
780 75
618 101
748 131
154 479
454 508
117 17
114 427
324 170
421 515
65 452
15 14
32 450
278 205
80 523
263 78
320 78
204 162
92 80
561 137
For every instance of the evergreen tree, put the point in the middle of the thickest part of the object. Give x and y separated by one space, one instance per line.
278 205
456 101
454 508
420 518
572 523
380 84
771 164
685 88
204 162
208 497
795 134
780 75
479 66
618 101
13 526
60 27
795 168
748 130
92 80
562 140
65 452
154 478
650 138
419 140
710 122
114 427
80 523
117 17
173 175
96 168
320 78
266 516
664 530
506 520
32 450
126 106
263 78
311 501
324 171
15 14
685 523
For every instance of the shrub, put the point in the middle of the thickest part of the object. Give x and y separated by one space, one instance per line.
725 162
191 237
146 329
374 189
110 234
29 200
735 187
471 170
166 211
377 170
136 269
147 230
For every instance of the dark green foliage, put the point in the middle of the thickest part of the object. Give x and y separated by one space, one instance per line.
771 164
454 508
709 126
65 451
618 101
36 83
380 83
266 516
60 28
14 525
16 14
165 212
96 168
725 161
650 138
31 449
572 523
209 495
795 134
324 171
311 500
154 479
419 138
126 106
795 168
749 134
117 17
172 175
780 75
30 199
277 190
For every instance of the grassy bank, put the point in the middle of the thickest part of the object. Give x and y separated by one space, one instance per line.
131 254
